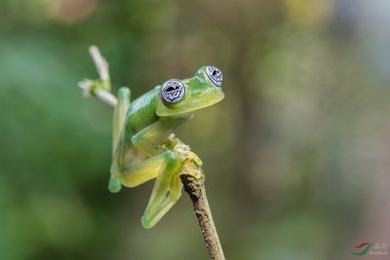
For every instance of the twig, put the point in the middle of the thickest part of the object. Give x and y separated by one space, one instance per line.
103 95
197 192
193 186
100 63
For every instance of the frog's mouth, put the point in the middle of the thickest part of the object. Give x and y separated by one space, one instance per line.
190 104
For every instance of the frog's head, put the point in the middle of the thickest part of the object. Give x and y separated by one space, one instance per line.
178 97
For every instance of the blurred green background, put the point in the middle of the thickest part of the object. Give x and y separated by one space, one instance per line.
296 156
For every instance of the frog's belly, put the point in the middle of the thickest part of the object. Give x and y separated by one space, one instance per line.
133 156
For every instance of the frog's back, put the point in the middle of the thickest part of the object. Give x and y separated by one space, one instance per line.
142 111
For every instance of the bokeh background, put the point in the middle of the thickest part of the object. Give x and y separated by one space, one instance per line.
297 156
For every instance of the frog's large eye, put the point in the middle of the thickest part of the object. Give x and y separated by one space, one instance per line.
172 91
215 75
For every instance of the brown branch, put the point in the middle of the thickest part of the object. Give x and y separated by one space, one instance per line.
197 192
193 186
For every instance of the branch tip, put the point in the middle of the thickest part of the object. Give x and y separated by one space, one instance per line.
100 63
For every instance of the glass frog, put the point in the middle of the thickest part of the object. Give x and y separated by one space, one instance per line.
144 146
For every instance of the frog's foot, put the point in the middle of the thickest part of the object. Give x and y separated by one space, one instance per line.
183 151
191 163
186 154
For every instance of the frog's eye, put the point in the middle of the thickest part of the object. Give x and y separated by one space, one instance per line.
215 75
172 91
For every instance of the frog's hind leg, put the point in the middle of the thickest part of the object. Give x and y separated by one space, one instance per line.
166 191
167 188
119 119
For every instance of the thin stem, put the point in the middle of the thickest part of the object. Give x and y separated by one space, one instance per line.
193 186
100 63
197 192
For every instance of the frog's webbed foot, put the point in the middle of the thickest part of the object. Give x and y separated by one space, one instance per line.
183 151
190 161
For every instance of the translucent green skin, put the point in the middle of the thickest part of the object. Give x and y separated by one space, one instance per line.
144 147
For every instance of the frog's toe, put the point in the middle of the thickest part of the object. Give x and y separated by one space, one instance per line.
146 222
114 185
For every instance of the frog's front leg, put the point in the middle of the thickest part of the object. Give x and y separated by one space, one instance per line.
149 139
